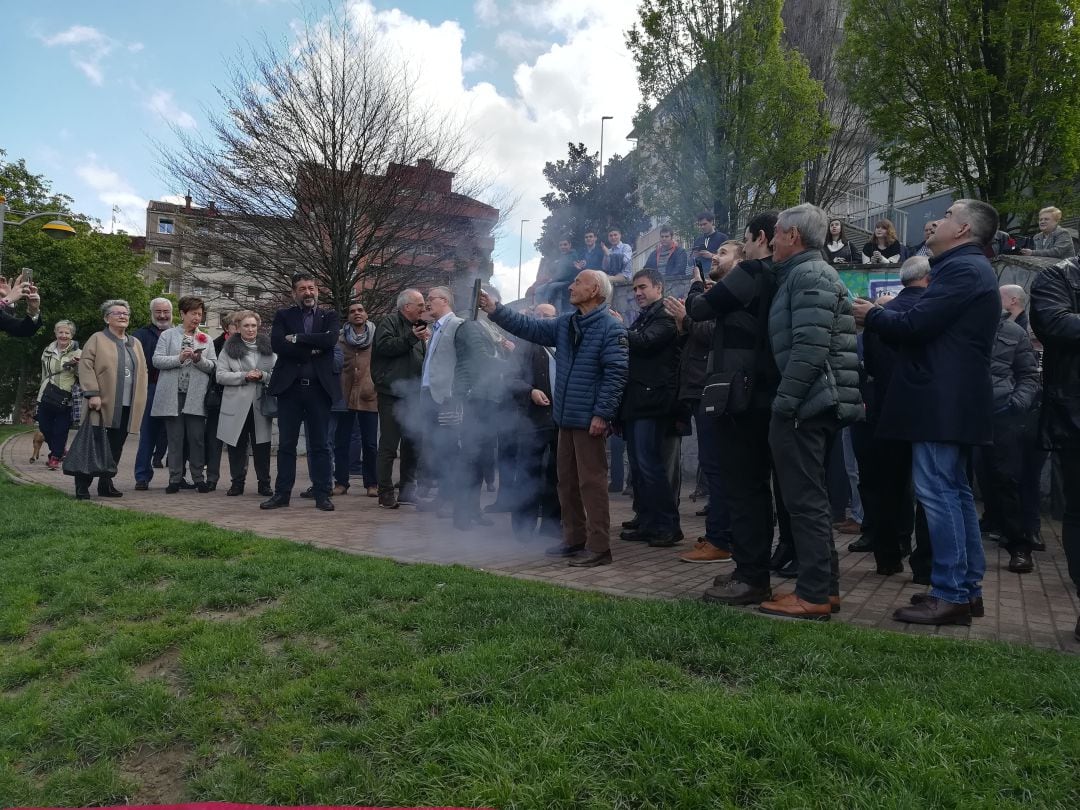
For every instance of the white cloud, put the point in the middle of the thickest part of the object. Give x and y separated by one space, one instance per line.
115 191
505 277
558 97
162 103
88 49
515 44
474 62
487 11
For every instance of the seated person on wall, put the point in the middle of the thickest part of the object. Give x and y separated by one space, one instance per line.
592 258
838 250
1052 240
563 270
668 257
618 257
883 247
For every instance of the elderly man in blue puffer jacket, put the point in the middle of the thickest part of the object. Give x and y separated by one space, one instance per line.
591 361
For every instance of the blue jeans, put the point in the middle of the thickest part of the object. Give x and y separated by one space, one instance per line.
718 518
152 438
617 446
851 467
345 448
657 511
941 485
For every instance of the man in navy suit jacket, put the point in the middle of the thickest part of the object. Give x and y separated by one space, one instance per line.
941 399
303 338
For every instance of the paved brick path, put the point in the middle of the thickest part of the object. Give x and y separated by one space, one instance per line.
1038 608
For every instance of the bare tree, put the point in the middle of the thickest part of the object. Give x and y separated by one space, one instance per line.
816 29
324 160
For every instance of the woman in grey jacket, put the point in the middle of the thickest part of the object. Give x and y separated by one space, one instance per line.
1052 240
244 369
185 358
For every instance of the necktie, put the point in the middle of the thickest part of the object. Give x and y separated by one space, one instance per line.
309 321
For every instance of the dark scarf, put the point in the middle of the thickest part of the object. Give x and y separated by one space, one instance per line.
236 348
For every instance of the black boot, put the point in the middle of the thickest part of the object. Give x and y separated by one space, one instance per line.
106 489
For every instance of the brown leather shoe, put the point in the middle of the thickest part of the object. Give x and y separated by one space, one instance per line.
591 560
936 612
373 492
848 526
706 552
340 489
791 606
834 604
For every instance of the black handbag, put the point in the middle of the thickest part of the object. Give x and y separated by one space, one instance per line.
90 453
732 392
55 397
268 405
212 400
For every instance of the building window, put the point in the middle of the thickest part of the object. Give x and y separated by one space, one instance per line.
228 261
228 290
201 259
198 290
163 256
165 225
253 293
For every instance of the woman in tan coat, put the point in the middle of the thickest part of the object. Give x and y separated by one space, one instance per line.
112 374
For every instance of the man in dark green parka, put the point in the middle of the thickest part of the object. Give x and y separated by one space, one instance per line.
812 334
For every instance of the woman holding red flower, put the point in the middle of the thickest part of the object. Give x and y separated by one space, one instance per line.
186 361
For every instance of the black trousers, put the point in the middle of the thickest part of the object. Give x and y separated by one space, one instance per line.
799 452
306 405
999 467
535 494
117 437
213 446
742 444
392 418
238 455
1070 521
888 498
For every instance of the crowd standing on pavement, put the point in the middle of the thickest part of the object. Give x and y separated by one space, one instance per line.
768 360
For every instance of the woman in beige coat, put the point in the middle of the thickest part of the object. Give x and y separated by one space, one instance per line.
112 374
244 369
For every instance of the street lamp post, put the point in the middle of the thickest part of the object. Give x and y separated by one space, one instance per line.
521 247
603 118
56 228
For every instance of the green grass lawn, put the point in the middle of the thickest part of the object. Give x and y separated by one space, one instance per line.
144 658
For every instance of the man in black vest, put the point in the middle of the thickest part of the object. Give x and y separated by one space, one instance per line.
303 337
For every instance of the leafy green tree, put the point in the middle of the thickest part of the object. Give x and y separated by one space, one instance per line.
729 118
74 276
581 200
979 95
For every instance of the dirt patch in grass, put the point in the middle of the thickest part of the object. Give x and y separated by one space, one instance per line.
274 646
233 614
35 633
159 774
166 667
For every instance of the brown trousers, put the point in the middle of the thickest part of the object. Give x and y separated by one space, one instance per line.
583 496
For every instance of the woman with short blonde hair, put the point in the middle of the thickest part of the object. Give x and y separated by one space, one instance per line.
1052 241
58 364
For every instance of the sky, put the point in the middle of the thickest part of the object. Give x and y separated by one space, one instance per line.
92 89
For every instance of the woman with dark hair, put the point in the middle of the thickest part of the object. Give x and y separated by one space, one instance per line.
244 369
112 374
837 249
884 247
58 364
185 359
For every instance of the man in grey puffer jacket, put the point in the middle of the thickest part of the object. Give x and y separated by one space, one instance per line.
812 333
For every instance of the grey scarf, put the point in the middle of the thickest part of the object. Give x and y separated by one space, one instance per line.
358 341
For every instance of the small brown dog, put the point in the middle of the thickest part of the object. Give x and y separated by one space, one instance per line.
39 439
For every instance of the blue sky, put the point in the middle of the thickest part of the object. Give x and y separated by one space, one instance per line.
92 86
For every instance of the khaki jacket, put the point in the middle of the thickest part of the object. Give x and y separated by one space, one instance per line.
99 376
357 389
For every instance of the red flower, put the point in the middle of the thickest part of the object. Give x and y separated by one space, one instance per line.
200 337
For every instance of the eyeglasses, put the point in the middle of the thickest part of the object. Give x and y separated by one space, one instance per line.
119 315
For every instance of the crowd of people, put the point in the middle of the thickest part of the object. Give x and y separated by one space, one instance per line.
768 360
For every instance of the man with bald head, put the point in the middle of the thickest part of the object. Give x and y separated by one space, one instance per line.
590 364
397 358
